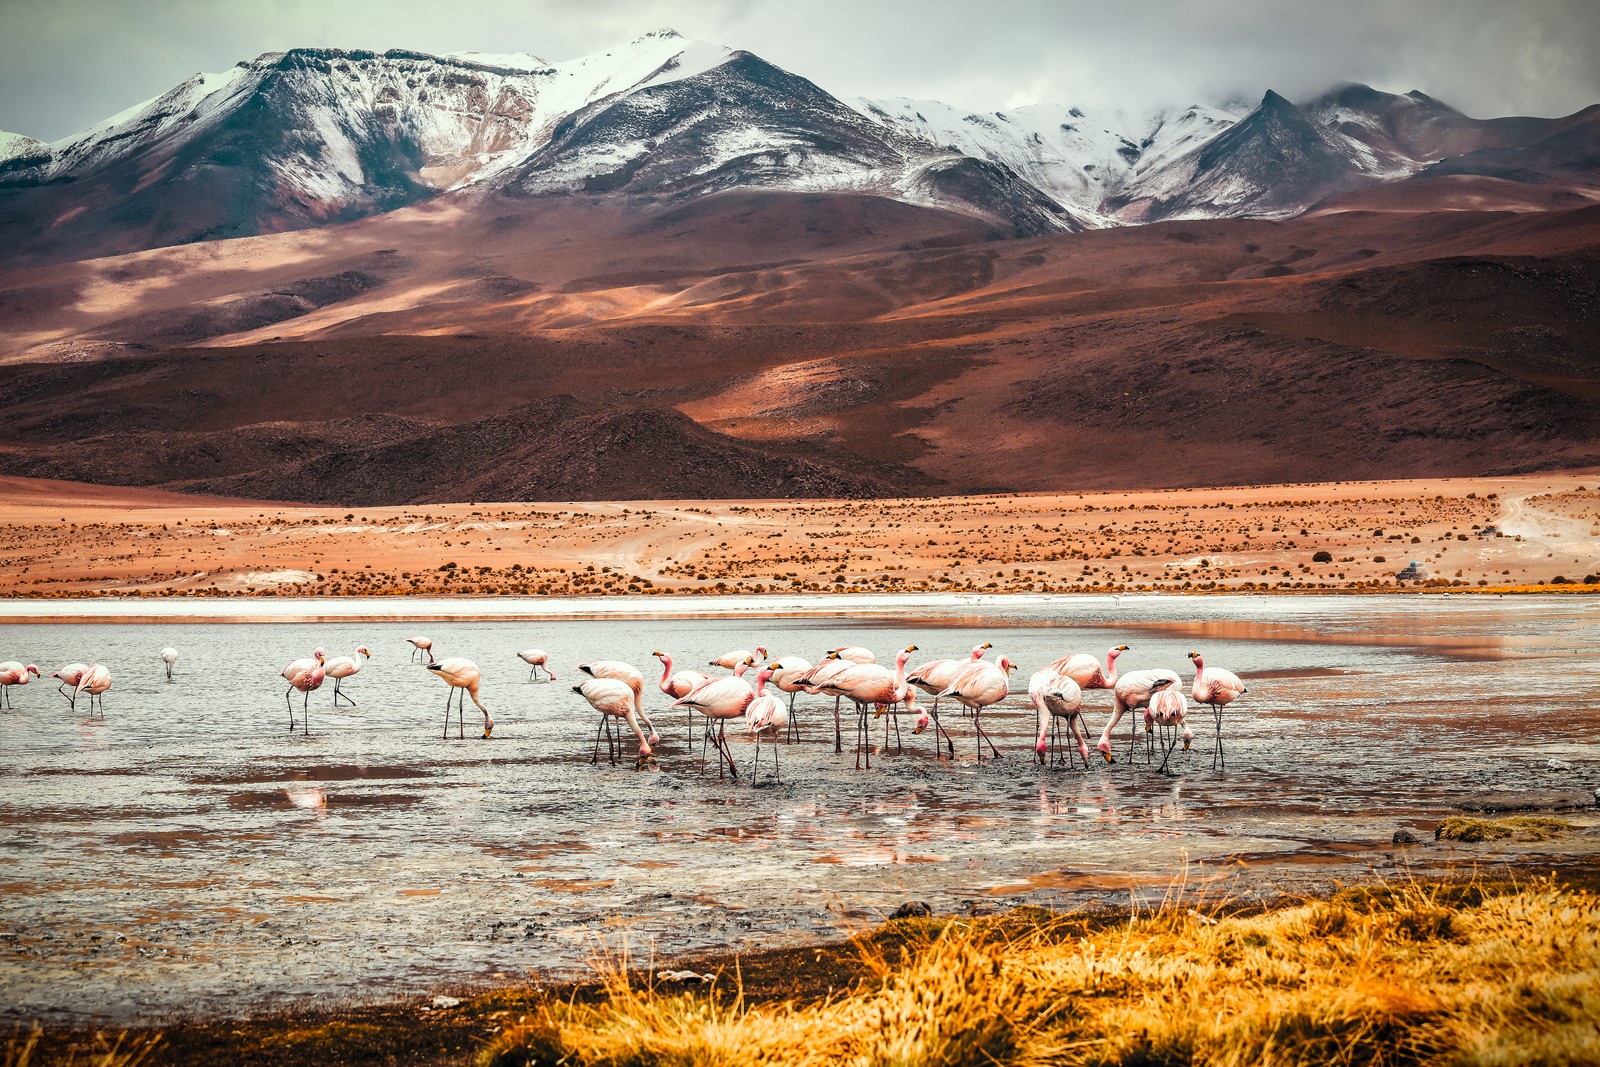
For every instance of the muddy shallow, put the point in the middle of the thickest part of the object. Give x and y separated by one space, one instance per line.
188 855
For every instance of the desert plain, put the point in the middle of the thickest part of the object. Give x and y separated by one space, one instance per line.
1536 531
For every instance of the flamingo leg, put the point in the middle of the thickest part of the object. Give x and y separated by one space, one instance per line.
755 764
725 751
169 672
305 713
838 739
594 757
983 738
1170 746
448 696
1217 753
898 746
794 724
286 703
939 731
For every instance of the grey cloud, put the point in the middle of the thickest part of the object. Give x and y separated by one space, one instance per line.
67 63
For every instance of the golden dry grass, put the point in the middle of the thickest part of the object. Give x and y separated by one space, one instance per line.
22 1050
1412 975
1518 827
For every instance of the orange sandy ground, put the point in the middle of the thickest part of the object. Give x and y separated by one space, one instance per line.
66 539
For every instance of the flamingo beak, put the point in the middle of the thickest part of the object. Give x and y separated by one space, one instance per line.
1109 757
487 730
1186 744
918 731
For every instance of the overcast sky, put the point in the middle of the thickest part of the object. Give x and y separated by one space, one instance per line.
65 64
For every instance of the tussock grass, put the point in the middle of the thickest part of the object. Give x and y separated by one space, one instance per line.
1520 827
1464 976
22 1048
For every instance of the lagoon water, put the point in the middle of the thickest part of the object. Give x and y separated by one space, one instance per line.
187 855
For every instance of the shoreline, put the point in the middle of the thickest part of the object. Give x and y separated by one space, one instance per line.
457 1024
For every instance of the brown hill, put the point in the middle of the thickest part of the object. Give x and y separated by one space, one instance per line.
757 344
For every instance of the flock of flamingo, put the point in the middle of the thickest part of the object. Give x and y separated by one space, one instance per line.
615 689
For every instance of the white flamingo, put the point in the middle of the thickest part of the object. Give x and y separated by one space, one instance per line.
1217 688
613 698
537 658
1057 699
342 667
169 656
766 713
1132 691
463 676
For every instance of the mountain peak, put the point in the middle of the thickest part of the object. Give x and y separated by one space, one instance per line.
1273 102
664 33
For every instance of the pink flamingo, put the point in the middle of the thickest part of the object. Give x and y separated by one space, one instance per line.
721 699
628 675
732 659
978 685
1086 671
536 658
95 681
868 684
1132 691
814 680
1216 687
855 654
932 676
1167 709
306 675
169 656
462 674
14 673
1056 698
614 698
680 684
764 713
69 675
787 672
343 667
419 646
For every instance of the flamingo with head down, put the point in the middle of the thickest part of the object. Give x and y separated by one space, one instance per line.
95 681
1057 699
787 675
537 658
14 673
931 677
1132 691
732 659
1167 709
419 646
614 698
462 676
305 675
628 675
169 656
69 675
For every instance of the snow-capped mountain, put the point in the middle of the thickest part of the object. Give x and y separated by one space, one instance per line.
312 136
1081 160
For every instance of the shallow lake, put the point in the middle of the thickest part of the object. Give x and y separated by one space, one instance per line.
188 854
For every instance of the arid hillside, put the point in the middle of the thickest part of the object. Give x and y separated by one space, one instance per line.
756 344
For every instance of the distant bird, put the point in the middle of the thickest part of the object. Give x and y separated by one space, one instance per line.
628 675
14 673
855 654
461 674
931 677
613 698
1086 670
732 659
680 684
721 699
1167 709
305 675
1132 691
766 713
69 675
95 681
979 685
1057 699
1216 687
343 667
787 672
169 656
536 658
421 646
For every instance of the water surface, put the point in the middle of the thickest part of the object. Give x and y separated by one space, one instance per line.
187 854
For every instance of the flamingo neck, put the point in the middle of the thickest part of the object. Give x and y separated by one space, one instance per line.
900 670
978 652
666 673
